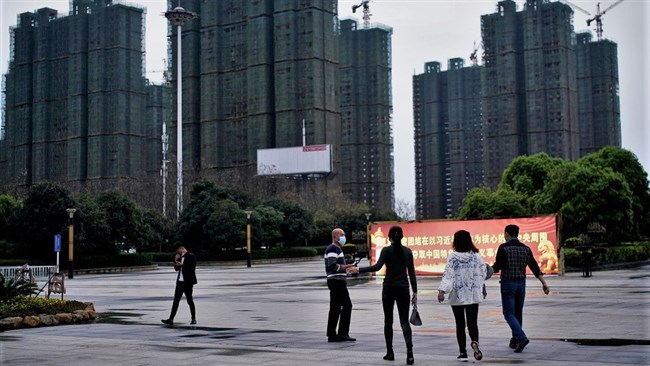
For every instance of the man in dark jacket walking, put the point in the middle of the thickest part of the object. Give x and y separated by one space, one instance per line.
185 265
512 259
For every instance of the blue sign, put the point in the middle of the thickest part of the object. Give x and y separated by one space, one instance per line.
57 242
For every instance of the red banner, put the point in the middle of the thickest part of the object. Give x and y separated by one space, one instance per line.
430 241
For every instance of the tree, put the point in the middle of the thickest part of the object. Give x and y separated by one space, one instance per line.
122 217
266 222
9 207
42 216
297 226
482 203
93 231
626 163
404 209
224 228
586 194
527 176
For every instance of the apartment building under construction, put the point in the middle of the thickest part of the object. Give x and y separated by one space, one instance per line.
75 98
366 114
540 90
598 101
253 71
529 84
448 137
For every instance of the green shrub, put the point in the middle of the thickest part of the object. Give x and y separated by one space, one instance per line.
619 254
161 257
120 260
25 306
10 289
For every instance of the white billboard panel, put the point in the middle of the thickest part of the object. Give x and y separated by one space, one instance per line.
313 159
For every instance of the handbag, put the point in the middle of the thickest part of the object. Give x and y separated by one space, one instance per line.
415 316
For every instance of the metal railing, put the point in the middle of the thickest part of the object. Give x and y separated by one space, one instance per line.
38 272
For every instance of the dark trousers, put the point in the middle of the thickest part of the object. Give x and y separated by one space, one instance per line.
471 311
340 307
183 288
513 295
401 296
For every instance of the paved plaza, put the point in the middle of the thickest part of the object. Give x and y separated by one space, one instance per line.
275 314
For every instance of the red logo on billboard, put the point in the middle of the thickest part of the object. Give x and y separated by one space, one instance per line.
314 148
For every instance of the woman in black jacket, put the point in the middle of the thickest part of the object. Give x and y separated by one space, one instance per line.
398 260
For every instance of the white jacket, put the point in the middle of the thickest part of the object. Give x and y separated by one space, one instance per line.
464 278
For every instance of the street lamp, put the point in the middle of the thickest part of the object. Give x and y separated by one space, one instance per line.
368 215
71 212
179 16
248 237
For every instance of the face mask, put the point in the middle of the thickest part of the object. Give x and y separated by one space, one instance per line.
342 240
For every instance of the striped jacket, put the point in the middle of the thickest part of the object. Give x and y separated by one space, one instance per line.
334 261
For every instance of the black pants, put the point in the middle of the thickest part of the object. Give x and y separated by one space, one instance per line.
183 288
401 296
472 324
340 307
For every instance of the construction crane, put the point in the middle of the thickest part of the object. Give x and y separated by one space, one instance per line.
366 12
473 56
596 17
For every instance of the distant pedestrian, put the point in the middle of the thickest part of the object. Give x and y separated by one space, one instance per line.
399 269
340 304
463 280
185 265
512 259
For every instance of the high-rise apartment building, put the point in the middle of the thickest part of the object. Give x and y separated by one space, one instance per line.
598 101
75 97
448 137
366 114
253 71
529 84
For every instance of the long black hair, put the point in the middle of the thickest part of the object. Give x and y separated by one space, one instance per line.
463 242
396 234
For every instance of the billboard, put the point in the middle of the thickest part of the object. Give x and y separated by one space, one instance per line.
430 241
312 159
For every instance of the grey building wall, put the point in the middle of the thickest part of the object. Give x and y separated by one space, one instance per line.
366 114
76 96
598 100
252 71
448 137
529 85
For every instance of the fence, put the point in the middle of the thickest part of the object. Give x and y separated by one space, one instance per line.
38 272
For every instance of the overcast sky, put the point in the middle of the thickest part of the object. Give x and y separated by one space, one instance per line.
432 30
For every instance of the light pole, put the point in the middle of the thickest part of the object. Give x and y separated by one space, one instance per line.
248 237
71 212
368 215
179 16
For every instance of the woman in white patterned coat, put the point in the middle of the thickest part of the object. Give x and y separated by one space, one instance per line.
463 281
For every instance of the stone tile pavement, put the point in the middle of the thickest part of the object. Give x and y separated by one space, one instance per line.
276 314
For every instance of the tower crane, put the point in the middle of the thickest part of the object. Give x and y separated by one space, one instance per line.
473 56
366 12
598 17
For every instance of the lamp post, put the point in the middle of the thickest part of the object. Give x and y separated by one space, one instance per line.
71 212
179 16
248 237
368 215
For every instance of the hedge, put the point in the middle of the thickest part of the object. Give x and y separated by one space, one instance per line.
618 254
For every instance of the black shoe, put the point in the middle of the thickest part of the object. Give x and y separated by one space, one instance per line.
521 345
409 356
513 343
193 321
334 339
390 356
478 355
462 357
346 338
168 321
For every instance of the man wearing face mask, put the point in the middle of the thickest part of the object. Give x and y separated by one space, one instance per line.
340 303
